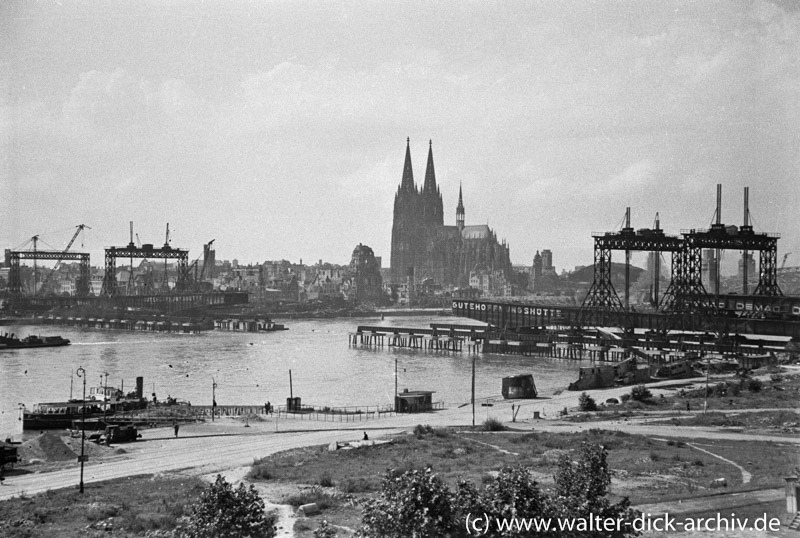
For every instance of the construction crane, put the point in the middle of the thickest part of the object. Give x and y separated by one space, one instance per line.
206 250
198 279
80 228
165 282
35 239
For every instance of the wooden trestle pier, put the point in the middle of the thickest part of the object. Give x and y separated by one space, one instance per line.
439 337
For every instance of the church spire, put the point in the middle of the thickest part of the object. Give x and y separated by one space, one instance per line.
408 174
430 174
460 210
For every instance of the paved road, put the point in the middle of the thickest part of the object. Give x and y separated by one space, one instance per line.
205 453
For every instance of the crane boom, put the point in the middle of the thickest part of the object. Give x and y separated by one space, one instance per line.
206 249
80 228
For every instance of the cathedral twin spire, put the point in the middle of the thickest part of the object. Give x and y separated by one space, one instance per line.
428 199
407 182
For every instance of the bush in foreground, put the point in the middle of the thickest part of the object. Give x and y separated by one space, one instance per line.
225 512
493 425
418 503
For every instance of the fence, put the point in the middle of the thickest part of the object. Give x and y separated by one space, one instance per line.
336 414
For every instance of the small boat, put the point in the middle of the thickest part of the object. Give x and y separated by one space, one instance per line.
12 342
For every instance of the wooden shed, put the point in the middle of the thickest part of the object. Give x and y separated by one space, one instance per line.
414 401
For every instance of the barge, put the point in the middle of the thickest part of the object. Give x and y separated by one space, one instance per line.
12 342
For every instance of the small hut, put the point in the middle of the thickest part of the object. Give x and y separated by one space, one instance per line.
519 386
414 401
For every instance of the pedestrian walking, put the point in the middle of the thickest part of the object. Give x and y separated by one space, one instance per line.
688 407
177 427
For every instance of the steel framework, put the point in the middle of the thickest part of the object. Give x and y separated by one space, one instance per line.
602 297
15 277
685 297
147 251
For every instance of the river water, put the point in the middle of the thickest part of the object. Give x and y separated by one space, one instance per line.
253 368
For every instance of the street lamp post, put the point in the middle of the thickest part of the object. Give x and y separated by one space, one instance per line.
82 374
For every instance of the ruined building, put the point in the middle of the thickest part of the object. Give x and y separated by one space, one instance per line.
424 249
365 272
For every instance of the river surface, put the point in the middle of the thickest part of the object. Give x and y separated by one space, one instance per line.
252 368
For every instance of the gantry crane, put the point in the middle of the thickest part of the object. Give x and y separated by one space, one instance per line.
80 228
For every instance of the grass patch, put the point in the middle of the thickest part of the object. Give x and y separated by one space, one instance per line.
647 470
132 506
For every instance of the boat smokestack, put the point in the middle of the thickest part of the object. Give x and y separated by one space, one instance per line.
139 387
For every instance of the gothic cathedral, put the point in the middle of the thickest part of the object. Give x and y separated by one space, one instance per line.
424 249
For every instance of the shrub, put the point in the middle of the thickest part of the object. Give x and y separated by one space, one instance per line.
225 512
260 471
418 503
493 425
721 389
325 480
587 403
625 397
641 393
420 430
415 503
581 490
754 385
612 401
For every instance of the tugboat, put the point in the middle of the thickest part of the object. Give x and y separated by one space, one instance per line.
12 342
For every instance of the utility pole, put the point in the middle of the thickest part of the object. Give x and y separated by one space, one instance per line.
708 368
106 398
473 390
395 385
82 373
213 399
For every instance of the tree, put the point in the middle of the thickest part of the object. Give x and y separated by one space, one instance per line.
413 504
512 494
224 512
580 492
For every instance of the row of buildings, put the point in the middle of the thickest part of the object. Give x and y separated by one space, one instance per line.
428 259
360 281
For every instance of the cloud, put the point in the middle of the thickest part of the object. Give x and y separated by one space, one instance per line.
635 177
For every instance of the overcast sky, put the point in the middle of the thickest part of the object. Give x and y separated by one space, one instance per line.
279 128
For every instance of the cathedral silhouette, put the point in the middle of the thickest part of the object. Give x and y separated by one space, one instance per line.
425 250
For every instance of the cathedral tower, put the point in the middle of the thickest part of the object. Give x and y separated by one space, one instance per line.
432 208
406 222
